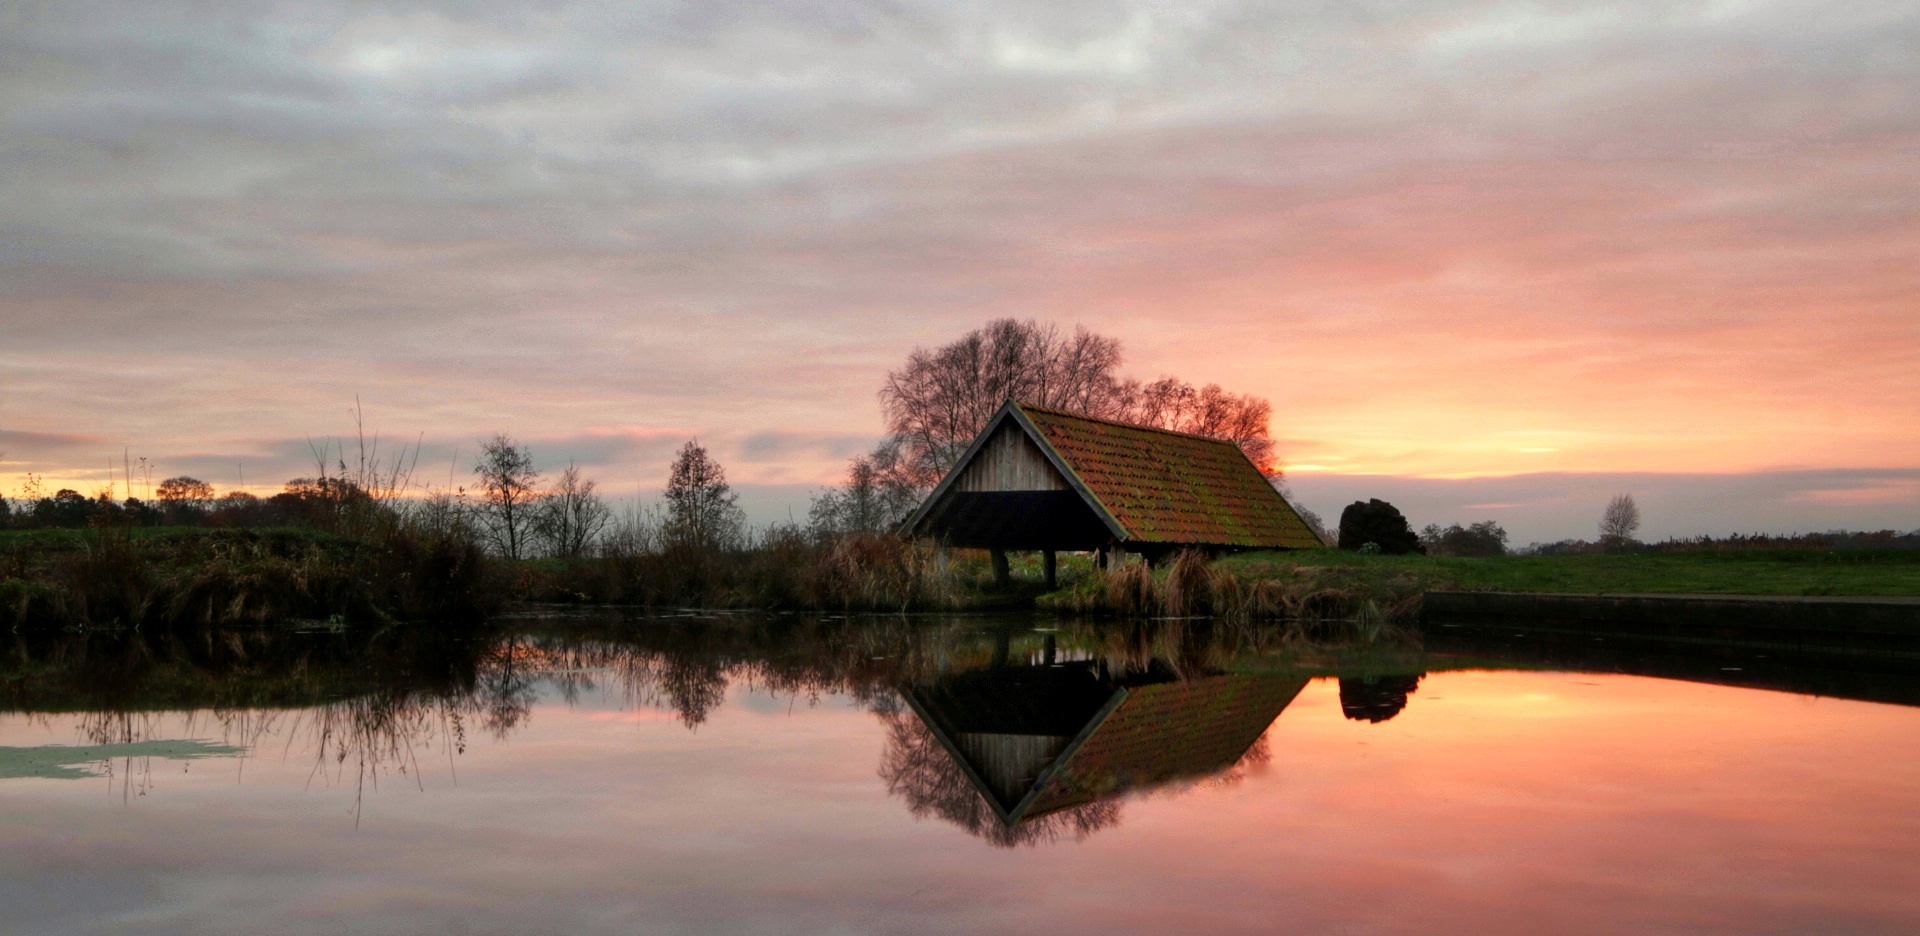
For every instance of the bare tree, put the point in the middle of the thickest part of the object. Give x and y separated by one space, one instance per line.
635 530
1172 403
872 501
943 397
571 516
509 495
1620 522
703 513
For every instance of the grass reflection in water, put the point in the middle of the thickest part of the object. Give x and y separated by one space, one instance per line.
1020 730
1019 735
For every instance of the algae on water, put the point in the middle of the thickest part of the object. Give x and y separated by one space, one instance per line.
69 762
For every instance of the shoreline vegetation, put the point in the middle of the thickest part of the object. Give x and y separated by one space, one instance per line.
183 578
407 570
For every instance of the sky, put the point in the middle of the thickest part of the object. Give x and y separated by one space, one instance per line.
1489 260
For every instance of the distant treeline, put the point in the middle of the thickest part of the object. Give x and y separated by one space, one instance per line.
182 501
1375 526
1834 540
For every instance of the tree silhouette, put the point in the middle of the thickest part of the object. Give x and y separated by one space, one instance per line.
184 497
1620 521
918 769
1486 538
871 502
572 515
703 513
942 397
509 494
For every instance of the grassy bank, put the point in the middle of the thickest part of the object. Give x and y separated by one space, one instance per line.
408 571
1331 584
1825 572
121 576
400 570
785 571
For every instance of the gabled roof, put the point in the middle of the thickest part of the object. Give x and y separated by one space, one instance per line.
1151 485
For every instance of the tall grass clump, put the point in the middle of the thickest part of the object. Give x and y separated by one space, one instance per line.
1128 590
1188 588
1193 586
105 581
780 567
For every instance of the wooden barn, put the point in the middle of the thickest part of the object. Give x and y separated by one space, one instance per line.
1052 481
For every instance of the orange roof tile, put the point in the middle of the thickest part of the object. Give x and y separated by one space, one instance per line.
1171 487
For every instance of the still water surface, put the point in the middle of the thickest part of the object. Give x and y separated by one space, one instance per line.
979 776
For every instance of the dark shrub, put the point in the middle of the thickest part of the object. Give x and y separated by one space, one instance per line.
137 512
108 582
437 576
1378 522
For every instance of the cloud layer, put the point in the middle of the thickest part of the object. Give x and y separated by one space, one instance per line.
1445 239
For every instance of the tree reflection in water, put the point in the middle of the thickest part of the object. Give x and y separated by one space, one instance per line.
1375 699
1014 735
921 771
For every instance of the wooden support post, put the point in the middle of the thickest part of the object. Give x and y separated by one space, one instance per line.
1051 566
1002 573
1049 651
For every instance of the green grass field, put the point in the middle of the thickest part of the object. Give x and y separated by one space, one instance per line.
1888 572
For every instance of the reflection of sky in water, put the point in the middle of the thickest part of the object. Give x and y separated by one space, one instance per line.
1495 802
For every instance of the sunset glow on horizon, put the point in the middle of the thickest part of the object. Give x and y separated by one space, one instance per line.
1494 259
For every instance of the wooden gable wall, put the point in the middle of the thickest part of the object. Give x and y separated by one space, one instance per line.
1010 462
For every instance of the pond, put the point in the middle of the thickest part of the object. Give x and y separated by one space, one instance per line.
599 773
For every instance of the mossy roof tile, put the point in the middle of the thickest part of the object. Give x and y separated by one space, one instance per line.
1172 487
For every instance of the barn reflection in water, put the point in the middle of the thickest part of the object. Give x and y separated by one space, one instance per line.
1020 754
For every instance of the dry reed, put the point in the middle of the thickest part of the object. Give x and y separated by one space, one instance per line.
1191 586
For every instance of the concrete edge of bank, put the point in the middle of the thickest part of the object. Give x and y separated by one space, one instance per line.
1814 623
